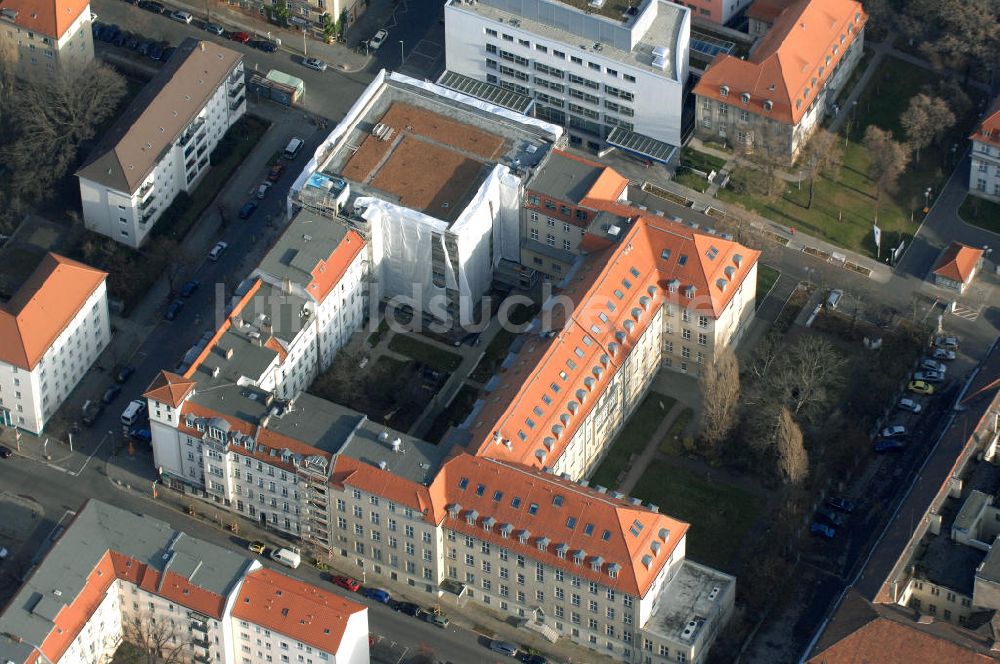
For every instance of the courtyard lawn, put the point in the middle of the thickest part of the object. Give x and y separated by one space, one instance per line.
701 161
980 212
690 179
632 439
766 276
720 514
425 353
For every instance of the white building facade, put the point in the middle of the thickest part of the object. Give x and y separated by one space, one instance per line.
46 39
984 173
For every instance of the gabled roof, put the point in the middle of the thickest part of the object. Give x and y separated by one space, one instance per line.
958 262
42 308
169 388
298 610
588 528
988 130
349 471
791 64
48 17
767 10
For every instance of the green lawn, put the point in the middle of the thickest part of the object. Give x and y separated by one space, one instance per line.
691 180
766 276
701 161
425 353
673 443
497 349
980 212
633 438
720 515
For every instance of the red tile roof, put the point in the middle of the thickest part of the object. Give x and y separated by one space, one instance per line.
48 17
298 610
73 617
44 305
349 471
791 63
988 130
767 10
958 262
169 388
226 324
171 586
329 271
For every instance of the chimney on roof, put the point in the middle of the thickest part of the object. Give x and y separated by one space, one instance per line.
201 45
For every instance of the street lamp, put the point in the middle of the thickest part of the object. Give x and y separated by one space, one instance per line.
401 55
927 199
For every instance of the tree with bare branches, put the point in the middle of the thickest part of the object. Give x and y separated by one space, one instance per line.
793 460
925 120
720 392
822 153
887 160
156 641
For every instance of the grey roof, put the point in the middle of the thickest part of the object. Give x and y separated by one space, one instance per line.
686 596
417 460
971 509
564 179
308 239
494 94
159 114
989 569
97 529
949 564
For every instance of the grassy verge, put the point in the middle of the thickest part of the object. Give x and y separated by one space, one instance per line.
980 212
691 180
425 353
633 438
701 161
766 276
720 515
673 443
232 149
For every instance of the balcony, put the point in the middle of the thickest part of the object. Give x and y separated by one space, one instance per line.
144 219
191 131
145 189
199 626
202 659
236 104
146 203
237 90
200 643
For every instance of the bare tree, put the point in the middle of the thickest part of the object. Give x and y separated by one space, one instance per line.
168 256
958 34
926 120
822 153
764 356
793 460
887 160
159 641
811 368
720 392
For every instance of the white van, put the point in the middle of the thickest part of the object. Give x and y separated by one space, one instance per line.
286 557
293 148
133 412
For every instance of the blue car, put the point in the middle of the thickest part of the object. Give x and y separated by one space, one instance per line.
188 289
141 434
174 309
822 530
376 594
889 445
247 210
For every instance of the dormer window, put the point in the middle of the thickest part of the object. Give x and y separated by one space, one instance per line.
724 91
828 58
745 97
768 105
798 104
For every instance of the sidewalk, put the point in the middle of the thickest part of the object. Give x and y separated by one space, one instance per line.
641 462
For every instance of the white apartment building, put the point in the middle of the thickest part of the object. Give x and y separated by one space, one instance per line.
51 332
984 174
45 39
610 78
116 575
162 143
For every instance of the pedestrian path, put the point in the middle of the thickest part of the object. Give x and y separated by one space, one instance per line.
641 462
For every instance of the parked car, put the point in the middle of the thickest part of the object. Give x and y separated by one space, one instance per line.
188 289
174 309
167 52
134 41
504 647
840 504
889 445
947 343
121 38
218 250
436 619
264 45
910 405
241 37
142 434
375 42
406 608
124 373
276 172
920 387
833 299
151 6
257 547
943 354
5 453
933 365
377 594
893 431
182 17
314 63
346 583
214 28
929 376
91 411
109 33
829 517
822 530
263 189
535 659
111 393
248 209
156 50
144 46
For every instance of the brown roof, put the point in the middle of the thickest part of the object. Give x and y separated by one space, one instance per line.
958 262
157 117
767 10
47 17
988 130
169 388
42 308
791 64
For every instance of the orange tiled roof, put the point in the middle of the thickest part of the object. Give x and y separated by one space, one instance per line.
48 17
958 262
298 610
988 130
791 63
328 272
170 586
767 10
73 617
576 527
169 388
348 471
226 324
42 308
555 381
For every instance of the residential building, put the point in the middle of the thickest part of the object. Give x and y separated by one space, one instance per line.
715 11
956 267
431 179
51 331
774 99
310 18
612 75
45 38
984 176
762 13
161 145
116 575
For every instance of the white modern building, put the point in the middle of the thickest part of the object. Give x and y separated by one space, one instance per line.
117 576
984 174
162 143
431 178
611 78
45 38
51 331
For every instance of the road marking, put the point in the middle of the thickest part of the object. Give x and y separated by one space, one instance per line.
966 312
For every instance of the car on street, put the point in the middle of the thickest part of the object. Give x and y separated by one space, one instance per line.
241 37
143 48
188 289
217 251
263 190
828 516
182 17
5 453
535 659
150 6
174 309
276 172
314 63
156 50
264 45
933 365
943 354
893 431
920 387
947 343
929 376
436 619
910 405
123 374
111 393
134 41
375 42
142 434
504 647
406 608
257 547
822 530
347 583
109 33
121 38
889 445
377 594
840 504
248 209
215 29
167 52
91 411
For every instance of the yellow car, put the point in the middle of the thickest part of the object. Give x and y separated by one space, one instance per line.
920 387
257 547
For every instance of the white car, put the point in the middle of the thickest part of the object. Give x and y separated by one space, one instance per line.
3 553
263 189
948 343
910 405
893 431
375 42
214 28
933 365
315 63
944 354
218 250
929 376
182 17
